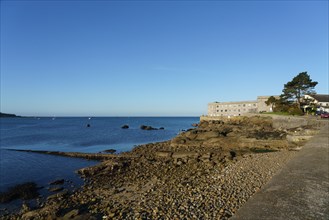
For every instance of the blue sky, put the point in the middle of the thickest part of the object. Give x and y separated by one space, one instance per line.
155 58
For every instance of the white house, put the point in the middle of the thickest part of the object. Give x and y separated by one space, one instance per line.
321 101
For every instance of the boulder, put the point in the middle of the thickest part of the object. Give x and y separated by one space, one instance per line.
147 127
125 126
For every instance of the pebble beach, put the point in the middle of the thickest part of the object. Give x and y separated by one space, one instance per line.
204 173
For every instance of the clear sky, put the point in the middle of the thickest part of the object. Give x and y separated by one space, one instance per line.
155 58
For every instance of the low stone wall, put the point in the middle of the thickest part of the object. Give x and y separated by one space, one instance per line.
287 122
279 121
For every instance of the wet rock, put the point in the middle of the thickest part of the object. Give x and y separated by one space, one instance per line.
111 151
147 127
55 189
24 191
57 182
125 126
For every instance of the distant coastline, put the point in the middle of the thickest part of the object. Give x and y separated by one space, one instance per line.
5 115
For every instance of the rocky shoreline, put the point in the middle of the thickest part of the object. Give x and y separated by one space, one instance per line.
203 173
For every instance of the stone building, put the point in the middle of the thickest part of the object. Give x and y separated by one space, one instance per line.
239 108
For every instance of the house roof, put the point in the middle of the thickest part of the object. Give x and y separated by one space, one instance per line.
320 97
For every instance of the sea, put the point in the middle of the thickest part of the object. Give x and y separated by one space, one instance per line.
72 134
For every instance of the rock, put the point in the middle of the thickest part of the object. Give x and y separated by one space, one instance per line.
178 140
298 138
184 155
111 151
30 215
58 195
71 214
25 208
57 182
207 135
161 128
119 190
163 154
125 126
191 134
195 125
24 191
146 127
55 189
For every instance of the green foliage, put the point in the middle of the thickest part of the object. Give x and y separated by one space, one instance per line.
295 110
271 101
290 100
300 85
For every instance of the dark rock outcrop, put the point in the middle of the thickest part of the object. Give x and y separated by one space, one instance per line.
111 151
125 126
147 127
24 191
57 182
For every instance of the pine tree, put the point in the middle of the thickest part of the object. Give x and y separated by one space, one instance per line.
300 85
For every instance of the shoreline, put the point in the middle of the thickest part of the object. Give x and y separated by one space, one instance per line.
207 172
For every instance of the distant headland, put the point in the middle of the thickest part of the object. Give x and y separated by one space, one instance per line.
5 115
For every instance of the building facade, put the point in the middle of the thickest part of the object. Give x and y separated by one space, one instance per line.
239 108
320 101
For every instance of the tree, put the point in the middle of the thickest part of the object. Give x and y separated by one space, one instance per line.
300 85
271 101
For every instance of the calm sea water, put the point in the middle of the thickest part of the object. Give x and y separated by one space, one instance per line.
72 135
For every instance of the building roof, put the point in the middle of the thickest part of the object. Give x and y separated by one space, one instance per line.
320 97
237 102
